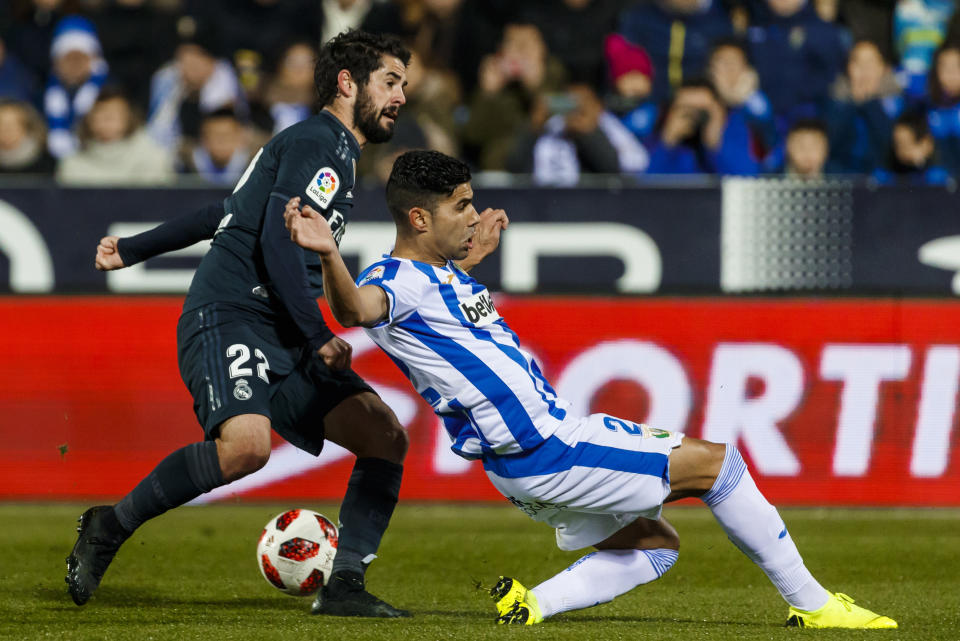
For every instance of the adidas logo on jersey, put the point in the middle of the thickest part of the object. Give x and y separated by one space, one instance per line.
479 309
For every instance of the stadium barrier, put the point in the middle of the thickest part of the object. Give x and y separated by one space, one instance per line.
741 236
833 402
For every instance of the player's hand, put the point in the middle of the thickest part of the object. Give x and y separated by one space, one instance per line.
108 257
486 238
308 228
336 353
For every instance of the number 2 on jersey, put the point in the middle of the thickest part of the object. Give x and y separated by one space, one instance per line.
242 354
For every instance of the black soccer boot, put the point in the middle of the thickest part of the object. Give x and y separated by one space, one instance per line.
100 536
345 596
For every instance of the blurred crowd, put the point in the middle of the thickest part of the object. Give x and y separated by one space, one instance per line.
141 91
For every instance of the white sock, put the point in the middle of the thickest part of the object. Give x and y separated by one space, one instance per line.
755 527
599 577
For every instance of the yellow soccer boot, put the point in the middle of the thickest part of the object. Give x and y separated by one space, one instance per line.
515 604
839 612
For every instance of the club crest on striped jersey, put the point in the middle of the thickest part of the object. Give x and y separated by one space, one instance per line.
479 309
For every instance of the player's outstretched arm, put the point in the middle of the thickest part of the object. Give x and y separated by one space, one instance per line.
487 237
174 234
351 305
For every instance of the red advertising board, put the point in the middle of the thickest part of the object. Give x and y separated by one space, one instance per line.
846 402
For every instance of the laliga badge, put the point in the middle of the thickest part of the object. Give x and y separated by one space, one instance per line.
323 186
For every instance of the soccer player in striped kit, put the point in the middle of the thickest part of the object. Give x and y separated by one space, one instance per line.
598 480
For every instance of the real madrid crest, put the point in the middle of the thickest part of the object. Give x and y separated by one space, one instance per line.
241 390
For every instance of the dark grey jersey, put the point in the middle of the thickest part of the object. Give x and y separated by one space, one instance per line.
252 263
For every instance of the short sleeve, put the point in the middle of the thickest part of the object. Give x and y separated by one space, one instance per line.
312 170
404 287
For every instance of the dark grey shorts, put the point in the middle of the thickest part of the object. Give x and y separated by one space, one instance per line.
233 366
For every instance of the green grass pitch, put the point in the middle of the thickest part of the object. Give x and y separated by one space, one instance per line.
191 574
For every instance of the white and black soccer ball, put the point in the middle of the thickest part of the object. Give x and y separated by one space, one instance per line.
295 551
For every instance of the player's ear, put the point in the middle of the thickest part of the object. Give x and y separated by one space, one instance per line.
419 219
346 86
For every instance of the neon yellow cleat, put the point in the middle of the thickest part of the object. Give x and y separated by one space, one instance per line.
515 604
839 612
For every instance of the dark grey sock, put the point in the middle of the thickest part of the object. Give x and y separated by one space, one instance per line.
366 510
182 476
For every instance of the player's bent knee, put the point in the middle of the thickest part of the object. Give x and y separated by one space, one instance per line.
694 467
389 440
243 445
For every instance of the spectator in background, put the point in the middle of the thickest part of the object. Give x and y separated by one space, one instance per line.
377 161
23 148
79 71
137 38
677 35
193 84
797 55
511 80
290 94
16 81
919 27
698 136
631 74
224 150
912 156
580 137
264 27
115 148
868 20
738 86
944 104
861 113
431 28
341 15
432 98
827 10
32 31
807 149
573 30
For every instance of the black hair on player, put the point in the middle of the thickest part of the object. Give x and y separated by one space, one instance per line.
358 52
421 179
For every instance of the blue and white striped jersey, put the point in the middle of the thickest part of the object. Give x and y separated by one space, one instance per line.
445 334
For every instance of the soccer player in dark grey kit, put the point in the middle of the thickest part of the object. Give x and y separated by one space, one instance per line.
253 347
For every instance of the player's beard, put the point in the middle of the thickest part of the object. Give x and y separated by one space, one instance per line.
366 118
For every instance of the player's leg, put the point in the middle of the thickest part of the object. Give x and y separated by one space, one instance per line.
717 474
364 425
315 404
368 428
639 553
232 402
242 447
605 492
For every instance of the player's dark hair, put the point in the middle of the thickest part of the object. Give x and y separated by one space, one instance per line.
421 179
358 52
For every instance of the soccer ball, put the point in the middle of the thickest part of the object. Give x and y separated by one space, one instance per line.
295 551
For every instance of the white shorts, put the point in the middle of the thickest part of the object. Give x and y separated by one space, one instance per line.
590 479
